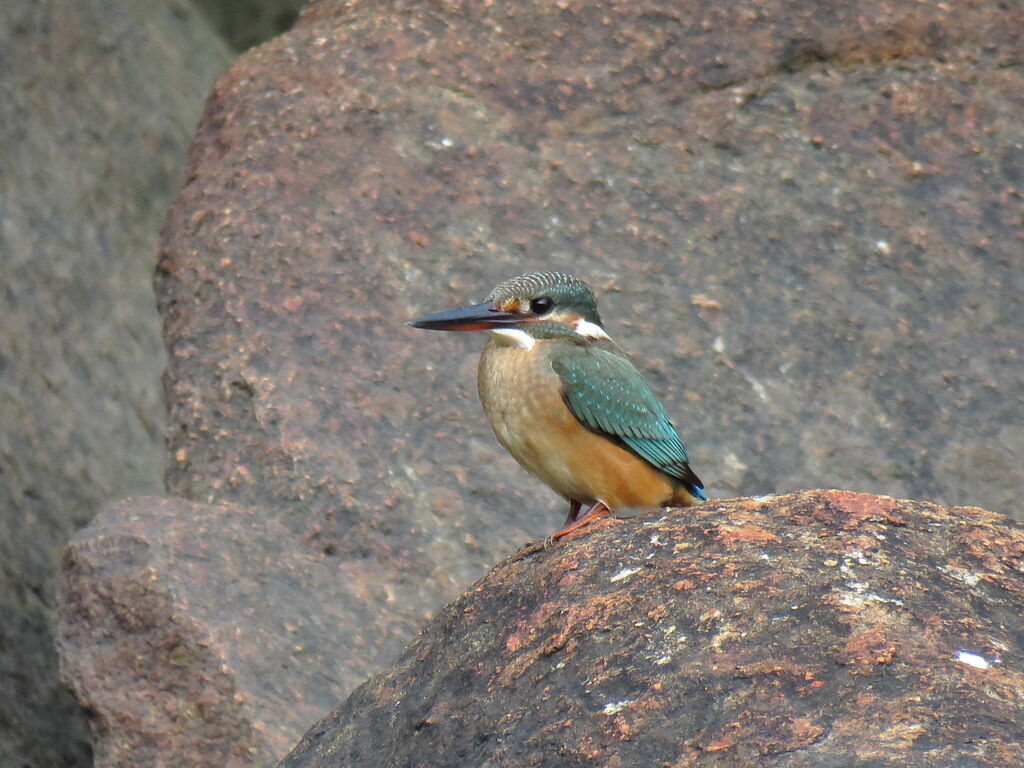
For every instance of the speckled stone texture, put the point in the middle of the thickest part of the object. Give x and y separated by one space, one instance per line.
803 220
811 630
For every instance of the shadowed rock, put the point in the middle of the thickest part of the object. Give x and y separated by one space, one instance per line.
817 629
245 23
799 220
98 100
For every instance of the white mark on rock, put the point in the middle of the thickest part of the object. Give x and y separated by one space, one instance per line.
614 707
625 573
974 660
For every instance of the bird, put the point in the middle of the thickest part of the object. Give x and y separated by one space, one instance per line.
567 404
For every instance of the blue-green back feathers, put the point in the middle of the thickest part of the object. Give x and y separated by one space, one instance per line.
609 396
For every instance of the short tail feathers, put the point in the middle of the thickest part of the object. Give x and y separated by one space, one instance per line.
688 479
688 493
697 491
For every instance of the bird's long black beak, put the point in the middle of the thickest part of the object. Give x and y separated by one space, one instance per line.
478 317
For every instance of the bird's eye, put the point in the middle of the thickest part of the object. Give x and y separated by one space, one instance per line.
541 306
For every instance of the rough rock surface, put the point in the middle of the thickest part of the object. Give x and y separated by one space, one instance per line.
811 630
142 577
803 219
97 103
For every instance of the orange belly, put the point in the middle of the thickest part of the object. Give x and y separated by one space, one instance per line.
522 397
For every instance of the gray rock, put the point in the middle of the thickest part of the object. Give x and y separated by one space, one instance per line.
97 100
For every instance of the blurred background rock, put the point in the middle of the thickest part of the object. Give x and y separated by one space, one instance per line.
98 102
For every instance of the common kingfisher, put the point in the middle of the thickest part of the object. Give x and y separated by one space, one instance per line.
567 404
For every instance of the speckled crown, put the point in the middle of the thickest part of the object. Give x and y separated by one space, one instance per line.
568 292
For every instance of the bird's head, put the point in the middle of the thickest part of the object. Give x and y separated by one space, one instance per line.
525 308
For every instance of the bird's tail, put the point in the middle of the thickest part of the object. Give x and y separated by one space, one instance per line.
688 494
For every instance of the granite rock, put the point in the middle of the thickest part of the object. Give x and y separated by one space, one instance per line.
803 222
806 631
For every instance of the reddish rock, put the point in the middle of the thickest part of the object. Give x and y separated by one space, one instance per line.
802 220
855 630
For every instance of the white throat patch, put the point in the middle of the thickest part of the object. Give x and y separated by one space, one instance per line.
513 337
590 330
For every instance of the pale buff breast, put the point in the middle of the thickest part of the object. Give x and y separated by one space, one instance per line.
522 397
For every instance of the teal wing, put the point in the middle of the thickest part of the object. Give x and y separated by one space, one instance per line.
609 396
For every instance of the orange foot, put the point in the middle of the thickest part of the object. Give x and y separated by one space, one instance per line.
595 511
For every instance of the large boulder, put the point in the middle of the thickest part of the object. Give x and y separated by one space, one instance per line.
812 630
97 103
801 220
